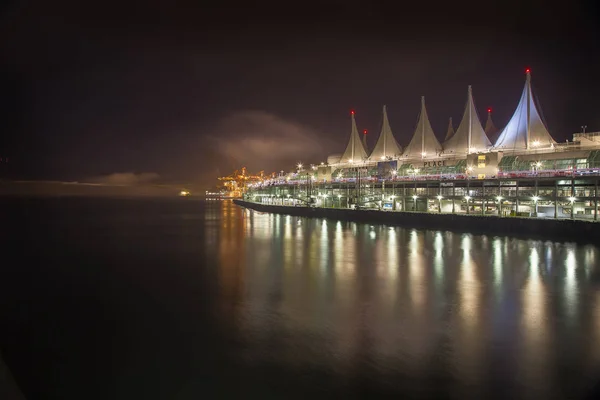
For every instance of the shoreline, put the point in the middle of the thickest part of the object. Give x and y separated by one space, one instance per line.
566 230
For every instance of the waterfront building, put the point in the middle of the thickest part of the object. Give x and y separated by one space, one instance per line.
524 172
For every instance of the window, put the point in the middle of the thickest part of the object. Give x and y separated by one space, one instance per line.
481 161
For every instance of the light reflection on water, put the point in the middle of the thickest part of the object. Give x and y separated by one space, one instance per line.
433 311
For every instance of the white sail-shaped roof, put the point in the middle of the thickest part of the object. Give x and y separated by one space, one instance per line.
525 129
470 136
355 151
450 130
386 145
490 129
423 143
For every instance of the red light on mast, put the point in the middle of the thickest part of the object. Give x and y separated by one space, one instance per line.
365 132
527 70
489 110
352 112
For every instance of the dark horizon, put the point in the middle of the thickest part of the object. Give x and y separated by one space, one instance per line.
189 93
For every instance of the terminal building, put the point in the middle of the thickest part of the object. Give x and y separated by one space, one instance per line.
518 170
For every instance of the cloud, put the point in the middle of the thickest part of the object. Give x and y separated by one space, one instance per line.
126 178
260 140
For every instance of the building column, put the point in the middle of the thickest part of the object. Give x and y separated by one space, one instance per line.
555 199
573 195
596 200
453 196
517 198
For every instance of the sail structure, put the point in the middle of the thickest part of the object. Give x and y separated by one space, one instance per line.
355 151
423 143
525 130
450 130
490 129
386 145
470 136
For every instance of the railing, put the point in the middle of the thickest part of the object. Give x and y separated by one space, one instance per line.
441 177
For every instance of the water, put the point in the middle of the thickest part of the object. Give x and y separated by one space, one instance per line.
180 299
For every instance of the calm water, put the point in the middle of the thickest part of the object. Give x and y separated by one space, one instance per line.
180 299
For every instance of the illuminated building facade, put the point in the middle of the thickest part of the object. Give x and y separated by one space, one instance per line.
523 172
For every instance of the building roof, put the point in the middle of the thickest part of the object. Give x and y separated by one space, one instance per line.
470 136
525 129
386 145
355 151
490 129
450 130
423 143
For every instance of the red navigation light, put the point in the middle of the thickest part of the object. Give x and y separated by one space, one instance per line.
489 110
352 112
365 131
527 70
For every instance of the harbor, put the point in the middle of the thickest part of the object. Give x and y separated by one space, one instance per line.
521 172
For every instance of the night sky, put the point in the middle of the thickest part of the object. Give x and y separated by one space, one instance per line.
183 91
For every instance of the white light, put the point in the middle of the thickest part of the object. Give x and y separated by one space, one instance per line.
439 197
394 172
339 196
538 164
535 198
383 157
536 143
571 199
350 161
423 154
416 170
467 198
415 197
498 198
470 168
299 165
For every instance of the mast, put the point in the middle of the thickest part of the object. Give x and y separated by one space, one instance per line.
469 103
353 129
384 133
422 126
528 106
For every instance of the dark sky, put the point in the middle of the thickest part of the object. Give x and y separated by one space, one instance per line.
187 90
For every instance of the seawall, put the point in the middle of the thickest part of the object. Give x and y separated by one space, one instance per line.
541 229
